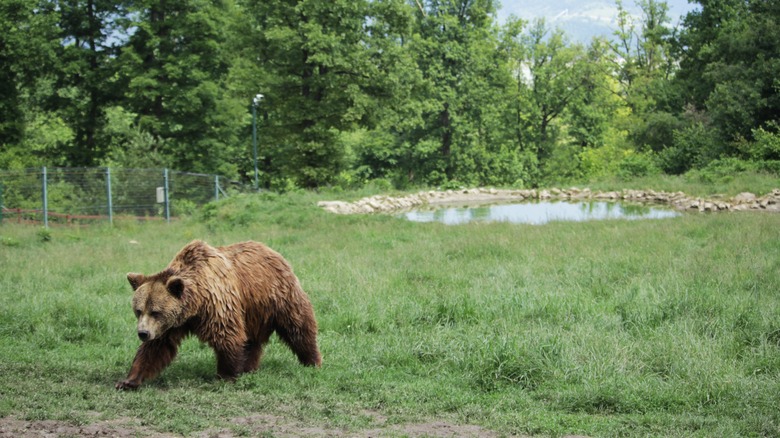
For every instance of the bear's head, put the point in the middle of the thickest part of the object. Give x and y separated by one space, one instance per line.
158 303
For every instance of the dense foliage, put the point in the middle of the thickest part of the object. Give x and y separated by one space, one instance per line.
411 92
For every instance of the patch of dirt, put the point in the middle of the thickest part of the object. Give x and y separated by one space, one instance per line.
256 425
282 427
121 428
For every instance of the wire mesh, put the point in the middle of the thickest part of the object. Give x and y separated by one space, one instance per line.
97 194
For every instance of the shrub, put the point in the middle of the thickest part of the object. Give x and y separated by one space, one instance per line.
9 242
636 164
694 146
599 162
183 207
721 170
765 148
564 164
657 131
44 234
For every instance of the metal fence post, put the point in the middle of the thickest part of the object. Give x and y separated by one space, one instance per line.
108 194
45 200
138 193
167 200
254 139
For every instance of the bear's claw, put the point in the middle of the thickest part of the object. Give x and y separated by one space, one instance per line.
126 384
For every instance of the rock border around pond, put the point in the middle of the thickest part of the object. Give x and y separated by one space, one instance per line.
678 200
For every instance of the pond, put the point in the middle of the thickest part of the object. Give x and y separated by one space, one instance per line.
538 213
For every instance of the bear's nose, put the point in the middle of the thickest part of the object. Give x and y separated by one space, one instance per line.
143 335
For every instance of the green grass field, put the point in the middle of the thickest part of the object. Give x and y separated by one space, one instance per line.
612 328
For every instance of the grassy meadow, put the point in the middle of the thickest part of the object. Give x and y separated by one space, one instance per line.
608 328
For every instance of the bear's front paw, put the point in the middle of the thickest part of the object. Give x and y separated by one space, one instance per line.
127 385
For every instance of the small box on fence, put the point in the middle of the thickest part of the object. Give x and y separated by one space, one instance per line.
161 195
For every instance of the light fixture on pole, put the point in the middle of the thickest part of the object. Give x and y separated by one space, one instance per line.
255 102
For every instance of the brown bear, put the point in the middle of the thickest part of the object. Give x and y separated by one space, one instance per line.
232 298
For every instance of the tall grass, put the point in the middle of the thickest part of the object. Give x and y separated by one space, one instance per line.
720 183
610 328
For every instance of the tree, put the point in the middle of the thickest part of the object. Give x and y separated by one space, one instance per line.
467 95
643 56
315 69
593 111
173 69
645 63
556 76
85 74
29 133
730 54
389 146
701 28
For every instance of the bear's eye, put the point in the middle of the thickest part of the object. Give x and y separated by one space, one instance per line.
137 313
154 314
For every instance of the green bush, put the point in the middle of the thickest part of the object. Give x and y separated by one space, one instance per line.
9 242
564 164
353 178
765 148
600 162
44 234
637 164
657 131
236 211
694 147
771 166
611 160
721 170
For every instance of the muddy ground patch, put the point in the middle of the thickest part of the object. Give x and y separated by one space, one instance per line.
256 425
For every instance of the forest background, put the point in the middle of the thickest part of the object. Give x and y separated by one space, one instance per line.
398 92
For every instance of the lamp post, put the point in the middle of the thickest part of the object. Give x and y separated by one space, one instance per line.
255 102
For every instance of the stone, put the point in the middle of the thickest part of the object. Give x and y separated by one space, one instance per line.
743 202
745 198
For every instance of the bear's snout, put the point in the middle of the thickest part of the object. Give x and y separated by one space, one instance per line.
143 335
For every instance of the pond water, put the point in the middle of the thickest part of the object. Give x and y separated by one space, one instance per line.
538 213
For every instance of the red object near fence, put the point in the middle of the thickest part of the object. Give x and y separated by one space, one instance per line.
34 217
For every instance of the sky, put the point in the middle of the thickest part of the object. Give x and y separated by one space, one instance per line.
582 19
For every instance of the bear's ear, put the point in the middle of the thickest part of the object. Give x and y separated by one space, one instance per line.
175 286
135 279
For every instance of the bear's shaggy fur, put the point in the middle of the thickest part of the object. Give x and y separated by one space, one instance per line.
232 298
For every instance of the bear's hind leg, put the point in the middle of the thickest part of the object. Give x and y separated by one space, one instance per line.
303 342
253 351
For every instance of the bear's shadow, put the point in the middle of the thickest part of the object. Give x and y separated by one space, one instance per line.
203 371
196 365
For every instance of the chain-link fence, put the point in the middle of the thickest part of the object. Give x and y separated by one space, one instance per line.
78 195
